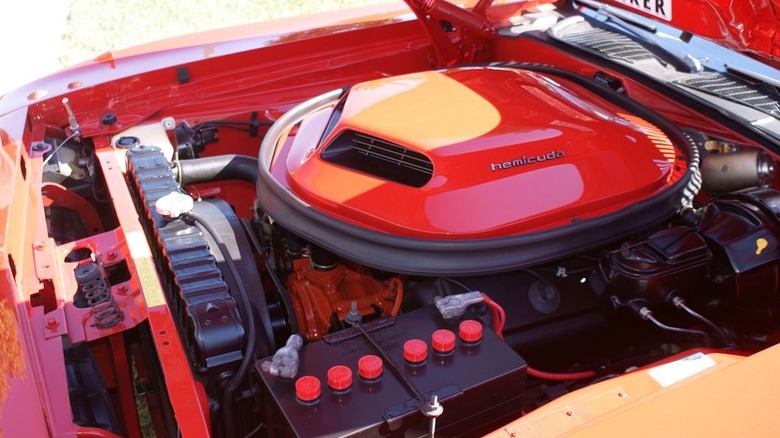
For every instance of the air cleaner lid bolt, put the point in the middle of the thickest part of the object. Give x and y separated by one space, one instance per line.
173 205
443 341
307 389
370 367
415 351
470 331
339 378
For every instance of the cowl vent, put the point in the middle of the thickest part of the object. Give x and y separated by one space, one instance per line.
380 158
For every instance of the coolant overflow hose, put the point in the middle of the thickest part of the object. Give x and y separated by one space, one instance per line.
217 168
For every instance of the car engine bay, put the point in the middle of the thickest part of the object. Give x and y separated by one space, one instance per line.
441 249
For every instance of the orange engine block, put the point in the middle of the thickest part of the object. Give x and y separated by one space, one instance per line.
319 297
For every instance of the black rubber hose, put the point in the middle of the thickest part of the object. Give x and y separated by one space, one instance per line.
218 168
248 359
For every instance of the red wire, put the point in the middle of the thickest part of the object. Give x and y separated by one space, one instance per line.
560 376
498 316
399 295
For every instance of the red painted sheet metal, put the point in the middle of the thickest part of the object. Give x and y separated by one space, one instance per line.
33 390
227 45
686 395
746 25
185 398
558 151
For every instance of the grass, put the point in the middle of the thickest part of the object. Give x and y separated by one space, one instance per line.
95 26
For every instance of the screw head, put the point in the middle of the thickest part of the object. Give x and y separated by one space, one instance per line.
169 123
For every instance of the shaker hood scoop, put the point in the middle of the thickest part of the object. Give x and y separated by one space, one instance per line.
472 170
477 152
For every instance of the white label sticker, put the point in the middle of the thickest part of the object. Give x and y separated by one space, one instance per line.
673 372
657 8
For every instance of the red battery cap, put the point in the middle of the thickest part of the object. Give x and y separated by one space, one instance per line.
443 341
415 350
339 377
307 388
370 367
470 331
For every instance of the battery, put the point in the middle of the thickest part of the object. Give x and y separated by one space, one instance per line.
477 380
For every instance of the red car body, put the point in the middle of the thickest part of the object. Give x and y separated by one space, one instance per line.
257 73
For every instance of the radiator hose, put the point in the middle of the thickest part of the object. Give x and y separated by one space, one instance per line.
217 168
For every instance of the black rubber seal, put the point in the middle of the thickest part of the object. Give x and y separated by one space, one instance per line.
459 257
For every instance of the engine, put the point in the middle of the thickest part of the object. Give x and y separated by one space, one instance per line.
472 171
434 241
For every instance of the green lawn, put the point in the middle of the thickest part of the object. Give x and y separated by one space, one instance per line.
95 26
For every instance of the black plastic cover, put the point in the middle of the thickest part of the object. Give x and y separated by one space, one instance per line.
200 299
671 260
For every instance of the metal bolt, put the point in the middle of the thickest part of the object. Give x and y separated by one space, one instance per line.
52 323
353 317
169 123
122 289
433 409
112 255
40 246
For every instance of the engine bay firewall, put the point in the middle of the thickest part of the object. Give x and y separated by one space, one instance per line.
529 162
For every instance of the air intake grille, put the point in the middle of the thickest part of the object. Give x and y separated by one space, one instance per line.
727 88
609 44
379 158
